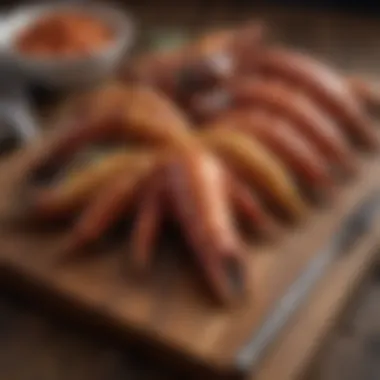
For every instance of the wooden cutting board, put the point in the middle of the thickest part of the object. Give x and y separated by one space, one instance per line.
168 311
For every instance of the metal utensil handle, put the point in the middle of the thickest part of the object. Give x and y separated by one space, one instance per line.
355 227
21 118
16 111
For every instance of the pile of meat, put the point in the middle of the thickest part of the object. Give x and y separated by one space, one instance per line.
228 134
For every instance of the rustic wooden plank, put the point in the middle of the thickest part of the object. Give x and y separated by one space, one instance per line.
181 320
295 350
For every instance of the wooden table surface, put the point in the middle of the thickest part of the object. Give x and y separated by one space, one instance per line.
38 345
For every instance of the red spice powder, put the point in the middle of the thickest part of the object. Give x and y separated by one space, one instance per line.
64 34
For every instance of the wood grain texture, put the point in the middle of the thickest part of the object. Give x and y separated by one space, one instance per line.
311 326
170 313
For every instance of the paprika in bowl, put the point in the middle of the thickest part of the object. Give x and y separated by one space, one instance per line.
67 45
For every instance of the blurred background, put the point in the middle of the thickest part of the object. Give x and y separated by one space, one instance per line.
341 31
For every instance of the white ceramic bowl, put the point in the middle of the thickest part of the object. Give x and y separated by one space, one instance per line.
71 71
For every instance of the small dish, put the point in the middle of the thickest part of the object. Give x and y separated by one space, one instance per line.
71 71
